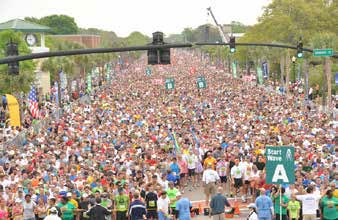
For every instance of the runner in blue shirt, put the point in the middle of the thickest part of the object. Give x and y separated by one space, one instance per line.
264 206
183 206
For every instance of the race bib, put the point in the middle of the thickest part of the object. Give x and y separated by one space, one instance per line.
122 206
152 203
223 169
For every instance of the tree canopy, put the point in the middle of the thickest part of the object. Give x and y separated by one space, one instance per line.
59 24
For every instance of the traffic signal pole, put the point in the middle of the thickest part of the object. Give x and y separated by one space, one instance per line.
137 48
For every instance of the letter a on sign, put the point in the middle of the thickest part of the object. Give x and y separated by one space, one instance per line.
280 174
280 165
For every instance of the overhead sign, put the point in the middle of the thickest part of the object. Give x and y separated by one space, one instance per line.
201 83
280 165
323 52
169 83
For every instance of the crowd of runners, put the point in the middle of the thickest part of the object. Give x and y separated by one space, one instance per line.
137 148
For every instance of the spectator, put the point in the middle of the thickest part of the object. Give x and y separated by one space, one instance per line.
217 204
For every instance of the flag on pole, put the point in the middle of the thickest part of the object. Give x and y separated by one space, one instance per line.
33 103
234 69
260 75
195 137
89 82
177 148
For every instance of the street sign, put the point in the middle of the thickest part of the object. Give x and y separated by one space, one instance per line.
323 52
148 71
280 165
201 83
169 83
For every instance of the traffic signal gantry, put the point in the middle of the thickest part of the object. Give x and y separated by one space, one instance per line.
232 44
158 56
158 51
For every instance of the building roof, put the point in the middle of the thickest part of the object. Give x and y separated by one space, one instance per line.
24 26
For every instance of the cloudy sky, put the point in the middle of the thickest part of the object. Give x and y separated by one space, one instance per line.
147 16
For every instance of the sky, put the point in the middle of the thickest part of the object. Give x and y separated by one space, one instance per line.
146 16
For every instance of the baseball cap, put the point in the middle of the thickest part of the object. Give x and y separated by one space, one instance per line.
53 210
84 195
178 194
252 205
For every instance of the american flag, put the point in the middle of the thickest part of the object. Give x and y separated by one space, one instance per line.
33 103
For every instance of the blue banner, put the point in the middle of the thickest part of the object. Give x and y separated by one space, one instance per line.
265 70
336 79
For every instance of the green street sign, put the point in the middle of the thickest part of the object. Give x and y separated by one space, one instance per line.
201 83
280 165
169 83
148 71
323 52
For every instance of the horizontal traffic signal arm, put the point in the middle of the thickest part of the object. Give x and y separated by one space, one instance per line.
88 51
137 48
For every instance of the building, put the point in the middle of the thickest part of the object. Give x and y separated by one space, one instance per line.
88 41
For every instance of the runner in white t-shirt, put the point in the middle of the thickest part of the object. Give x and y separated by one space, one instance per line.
192 160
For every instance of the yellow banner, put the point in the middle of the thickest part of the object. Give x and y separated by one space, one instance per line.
14 110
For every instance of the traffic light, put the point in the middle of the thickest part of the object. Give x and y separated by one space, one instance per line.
158 56
12 50
300 49
232 44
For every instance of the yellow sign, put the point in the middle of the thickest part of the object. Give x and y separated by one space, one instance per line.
14 112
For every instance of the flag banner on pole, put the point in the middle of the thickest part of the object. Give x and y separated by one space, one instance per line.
89 83
56 92
265 70
234 69
14 110
195 137
175 144
260 75
33 104
336 79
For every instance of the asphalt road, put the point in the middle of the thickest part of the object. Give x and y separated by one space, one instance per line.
197 197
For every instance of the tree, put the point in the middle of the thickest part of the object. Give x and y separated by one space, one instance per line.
326 40
59 24
21 82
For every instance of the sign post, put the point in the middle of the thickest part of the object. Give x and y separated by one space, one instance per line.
323 52
169 83
201 83
280 167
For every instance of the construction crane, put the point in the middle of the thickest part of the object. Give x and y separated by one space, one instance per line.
224 36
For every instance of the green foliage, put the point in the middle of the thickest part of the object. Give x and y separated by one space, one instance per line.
21 82
285 21
59 24
238 27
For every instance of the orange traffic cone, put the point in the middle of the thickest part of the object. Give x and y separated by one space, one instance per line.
200 210
237 211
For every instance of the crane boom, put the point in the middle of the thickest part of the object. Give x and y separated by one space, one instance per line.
224 36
